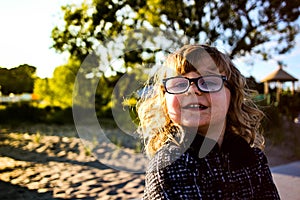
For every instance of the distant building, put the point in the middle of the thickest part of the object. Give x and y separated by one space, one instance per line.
14 98
279 76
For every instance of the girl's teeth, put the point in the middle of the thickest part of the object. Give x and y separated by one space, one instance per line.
196 106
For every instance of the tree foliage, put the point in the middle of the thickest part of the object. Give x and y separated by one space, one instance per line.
58 90
17 80
265 27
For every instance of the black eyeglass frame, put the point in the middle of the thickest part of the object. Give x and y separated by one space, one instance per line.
195 81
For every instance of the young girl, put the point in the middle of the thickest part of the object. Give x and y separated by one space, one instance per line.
201 131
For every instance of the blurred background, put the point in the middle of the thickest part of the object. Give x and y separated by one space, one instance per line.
43 45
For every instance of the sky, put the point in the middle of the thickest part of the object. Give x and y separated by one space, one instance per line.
25 38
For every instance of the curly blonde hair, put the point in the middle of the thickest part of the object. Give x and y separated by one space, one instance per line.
243 117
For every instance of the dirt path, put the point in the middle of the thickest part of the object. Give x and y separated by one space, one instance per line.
54 167
41 162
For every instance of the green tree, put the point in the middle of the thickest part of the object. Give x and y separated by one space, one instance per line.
5 81
42 90
243 27
17 80
58 90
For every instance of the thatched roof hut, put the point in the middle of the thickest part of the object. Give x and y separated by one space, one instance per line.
279 76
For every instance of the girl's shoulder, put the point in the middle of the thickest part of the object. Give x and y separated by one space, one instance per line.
240 151
260 155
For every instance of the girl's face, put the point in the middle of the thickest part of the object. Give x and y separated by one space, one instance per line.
195 109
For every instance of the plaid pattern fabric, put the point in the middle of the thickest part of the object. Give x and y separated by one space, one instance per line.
235 171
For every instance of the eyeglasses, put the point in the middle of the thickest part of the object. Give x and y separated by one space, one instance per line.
207 84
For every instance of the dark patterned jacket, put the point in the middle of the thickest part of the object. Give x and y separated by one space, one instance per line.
234 171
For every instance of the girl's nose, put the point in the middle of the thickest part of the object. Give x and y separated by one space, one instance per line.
193 89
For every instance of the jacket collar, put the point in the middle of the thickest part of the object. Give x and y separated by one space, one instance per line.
236 147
